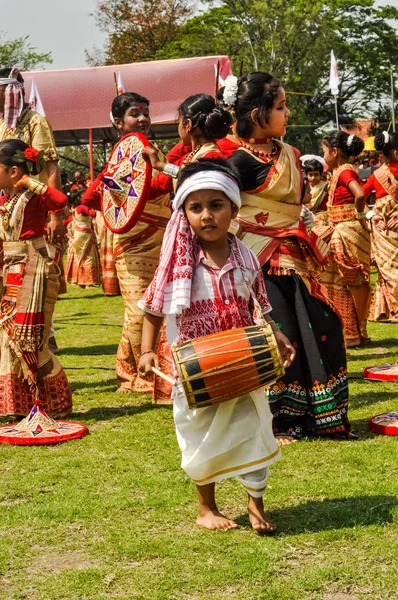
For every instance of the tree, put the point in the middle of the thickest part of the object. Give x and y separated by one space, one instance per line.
20 52
138 29
293 40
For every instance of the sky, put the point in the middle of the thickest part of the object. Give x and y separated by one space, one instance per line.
62 27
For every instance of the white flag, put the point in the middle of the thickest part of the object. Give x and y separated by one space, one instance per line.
334 76
120 86
35 102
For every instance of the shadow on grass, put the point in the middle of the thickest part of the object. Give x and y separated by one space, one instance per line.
85 297
338 513
60 322
102 350
102 386
370 397
113 412
380 343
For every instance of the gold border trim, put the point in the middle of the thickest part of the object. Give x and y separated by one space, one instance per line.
249 464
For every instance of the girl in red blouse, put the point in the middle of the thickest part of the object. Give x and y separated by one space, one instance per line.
28 291
347 275
200 124
384 224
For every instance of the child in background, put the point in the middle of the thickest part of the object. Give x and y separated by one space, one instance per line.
204 284
347 275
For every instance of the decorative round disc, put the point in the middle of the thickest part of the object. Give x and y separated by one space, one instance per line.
38 428
127 181
387 372
386 423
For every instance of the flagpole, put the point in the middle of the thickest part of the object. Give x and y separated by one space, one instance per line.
337 112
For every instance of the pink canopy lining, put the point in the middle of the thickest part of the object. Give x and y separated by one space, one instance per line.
76 100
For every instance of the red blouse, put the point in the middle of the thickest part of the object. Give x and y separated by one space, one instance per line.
35 215
163 184
342 194
372 185
227 146
92 195
85 210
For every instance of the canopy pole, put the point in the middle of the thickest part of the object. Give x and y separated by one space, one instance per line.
217 80
337 112
90 146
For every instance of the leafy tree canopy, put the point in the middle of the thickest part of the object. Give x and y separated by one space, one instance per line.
20 52
290 38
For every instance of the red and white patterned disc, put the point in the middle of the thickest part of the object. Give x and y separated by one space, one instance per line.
126 183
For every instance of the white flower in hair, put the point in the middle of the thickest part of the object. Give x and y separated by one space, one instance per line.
230 90
350 139
386 136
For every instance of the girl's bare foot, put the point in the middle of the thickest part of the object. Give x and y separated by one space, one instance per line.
284 440
214 520
123 390
258 519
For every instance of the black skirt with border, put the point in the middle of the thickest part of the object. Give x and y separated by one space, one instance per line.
312 397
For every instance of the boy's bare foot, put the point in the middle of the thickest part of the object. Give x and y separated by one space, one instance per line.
284 440
258 518
214 520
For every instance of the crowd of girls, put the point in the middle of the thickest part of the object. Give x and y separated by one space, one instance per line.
245 229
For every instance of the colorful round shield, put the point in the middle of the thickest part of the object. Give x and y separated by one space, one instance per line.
38 428
387 372
127 181
386 423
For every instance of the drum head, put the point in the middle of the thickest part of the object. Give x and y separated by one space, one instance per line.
387 372
127 181
386 423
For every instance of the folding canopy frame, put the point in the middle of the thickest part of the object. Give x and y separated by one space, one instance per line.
77 101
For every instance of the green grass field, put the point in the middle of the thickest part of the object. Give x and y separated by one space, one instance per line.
112 515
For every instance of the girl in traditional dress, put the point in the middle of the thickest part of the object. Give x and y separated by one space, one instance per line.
136 256
205 284
317 190
29 288
200 124
312 397
346 277
384 229
82 267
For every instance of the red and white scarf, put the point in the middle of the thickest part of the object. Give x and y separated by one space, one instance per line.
13 98
170 289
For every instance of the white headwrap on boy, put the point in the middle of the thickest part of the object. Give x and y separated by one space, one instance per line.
208 180
170 290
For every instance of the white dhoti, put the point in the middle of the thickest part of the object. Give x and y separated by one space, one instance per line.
232 439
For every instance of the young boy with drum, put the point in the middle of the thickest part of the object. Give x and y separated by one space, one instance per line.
207 282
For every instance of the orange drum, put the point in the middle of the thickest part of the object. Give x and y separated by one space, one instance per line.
222 366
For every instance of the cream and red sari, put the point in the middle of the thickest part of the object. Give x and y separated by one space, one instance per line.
346 277
136 255
82 266
272 226
28 292
312 396
384 305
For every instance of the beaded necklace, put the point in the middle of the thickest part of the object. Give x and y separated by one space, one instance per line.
189 157
7 209
265 156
